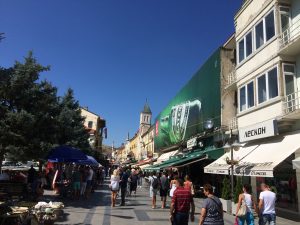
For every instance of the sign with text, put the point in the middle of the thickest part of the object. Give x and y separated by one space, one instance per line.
257 131
191 143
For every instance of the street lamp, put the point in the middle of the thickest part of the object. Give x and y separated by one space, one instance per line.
231 145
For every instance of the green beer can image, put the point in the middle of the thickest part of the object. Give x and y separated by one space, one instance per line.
182 122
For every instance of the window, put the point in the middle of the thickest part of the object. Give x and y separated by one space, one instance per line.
270 26
267 86
262 88
248 44
241 50
245 46
247 96
259 34
90 124
250 95
273 83
242 99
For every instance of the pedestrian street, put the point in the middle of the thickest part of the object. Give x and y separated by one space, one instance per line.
98 211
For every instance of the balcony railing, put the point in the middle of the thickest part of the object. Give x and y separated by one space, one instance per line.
231 79
290 34
233 124
291 102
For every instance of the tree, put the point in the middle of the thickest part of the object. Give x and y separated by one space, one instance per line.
225 189
70 122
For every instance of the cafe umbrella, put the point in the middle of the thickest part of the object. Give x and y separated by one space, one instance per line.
66 154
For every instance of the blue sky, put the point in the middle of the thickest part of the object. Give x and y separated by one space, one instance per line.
116 53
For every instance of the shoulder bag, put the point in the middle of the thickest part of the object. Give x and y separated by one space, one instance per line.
241 213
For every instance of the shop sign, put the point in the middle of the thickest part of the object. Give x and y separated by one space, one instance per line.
191 143
257 131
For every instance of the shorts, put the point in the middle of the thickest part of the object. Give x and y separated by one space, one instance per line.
76 185
163 193
153 192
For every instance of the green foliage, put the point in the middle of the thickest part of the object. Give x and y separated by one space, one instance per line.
225 189
33 119
238 189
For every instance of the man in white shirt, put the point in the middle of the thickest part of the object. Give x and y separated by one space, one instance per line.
154 186
266 206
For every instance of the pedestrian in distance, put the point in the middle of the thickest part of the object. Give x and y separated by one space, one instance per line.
123 185
114 186
173 185
266 206
188 184
76 179
134 182
247 199
182 206
84 176
154 187
212 209
164 188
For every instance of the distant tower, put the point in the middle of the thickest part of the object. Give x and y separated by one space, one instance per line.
145 118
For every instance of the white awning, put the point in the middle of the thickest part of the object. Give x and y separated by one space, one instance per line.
260 158
296 163
165 157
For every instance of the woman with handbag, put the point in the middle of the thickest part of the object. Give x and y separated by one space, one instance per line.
114 186
244 207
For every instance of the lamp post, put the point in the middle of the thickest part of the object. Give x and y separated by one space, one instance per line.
231 145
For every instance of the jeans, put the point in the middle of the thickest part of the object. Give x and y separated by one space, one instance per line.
267 219
249 218
181 219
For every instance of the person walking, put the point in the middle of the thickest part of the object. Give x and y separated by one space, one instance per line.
134 182
89 184
188 184
114 187
164 188
154 187
123 185
212 209
266 206
182 203
173 185
84 176
76 179
249 203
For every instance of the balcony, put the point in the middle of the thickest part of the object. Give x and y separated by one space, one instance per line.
291 106
289 39
231 80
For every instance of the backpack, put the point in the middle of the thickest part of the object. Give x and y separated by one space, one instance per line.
155 183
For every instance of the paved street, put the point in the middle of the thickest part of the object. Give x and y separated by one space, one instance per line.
97 211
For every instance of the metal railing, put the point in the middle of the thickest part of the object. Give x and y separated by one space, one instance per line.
231 79
291 102
290 33
233 124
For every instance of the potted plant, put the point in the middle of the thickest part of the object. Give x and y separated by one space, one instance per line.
225 197
237 191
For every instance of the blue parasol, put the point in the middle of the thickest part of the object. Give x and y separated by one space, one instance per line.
66 154
89 161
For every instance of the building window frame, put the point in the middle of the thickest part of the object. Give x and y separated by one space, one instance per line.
266 74
246 96
253 36
90 124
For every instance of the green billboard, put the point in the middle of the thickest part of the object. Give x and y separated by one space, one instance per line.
197 102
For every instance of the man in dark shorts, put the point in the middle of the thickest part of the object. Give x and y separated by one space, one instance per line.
164 188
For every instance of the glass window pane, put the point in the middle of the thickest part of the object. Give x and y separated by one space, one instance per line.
262 89
270 26
248 44
273 83
259 34
250 95
241 50
289 68
289 84
242 98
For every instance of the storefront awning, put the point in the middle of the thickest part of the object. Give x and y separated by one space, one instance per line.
187 159
258 158
165 157
296 163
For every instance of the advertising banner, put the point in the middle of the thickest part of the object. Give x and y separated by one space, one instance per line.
198 101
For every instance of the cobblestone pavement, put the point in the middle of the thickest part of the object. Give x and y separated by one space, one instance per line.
97 211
